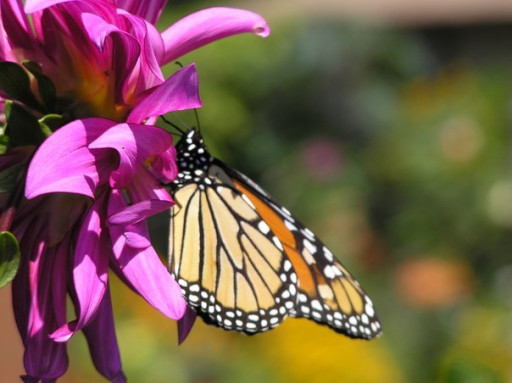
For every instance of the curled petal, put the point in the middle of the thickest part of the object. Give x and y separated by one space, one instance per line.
178 92
64 163
143 269
207 25
139 212
134 144
185 324
98 29
122 47
89 270
152 48
102 341
149 10
164 167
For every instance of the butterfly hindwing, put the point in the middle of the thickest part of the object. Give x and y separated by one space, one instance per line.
328 293
245 263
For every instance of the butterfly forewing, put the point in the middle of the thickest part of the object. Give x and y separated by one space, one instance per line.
245 263
229 264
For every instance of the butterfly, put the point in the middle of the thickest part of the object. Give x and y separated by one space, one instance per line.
245 263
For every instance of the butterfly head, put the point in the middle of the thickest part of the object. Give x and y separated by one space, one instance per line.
192 154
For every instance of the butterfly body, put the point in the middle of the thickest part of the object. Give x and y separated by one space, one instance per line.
245 263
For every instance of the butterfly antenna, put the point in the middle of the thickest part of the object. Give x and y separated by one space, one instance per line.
197 120
181 131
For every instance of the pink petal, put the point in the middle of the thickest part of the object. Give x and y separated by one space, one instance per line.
135 144
149 10
185 324
63 163
34 306
136 237
178 92
121 46
89 270
164 167
98 29
207 25
152 48
144 186
102 341
144 270
138 212
37 5
60 280
15 24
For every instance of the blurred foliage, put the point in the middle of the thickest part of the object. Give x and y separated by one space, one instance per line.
399 159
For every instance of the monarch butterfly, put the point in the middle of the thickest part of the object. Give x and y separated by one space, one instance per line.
245 263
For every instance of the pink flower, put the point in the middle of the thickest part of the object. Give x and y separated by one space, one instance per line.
103 56
110 165
82 204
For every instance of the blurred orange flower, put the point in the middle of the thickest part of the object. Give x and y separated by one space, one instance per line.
430 282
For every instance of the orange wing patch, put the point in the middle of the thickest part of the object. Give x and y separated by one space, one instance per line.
276 224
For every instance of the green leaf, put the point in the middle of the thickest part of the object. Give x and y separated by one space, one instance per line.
9 257
22 127
4 139
15 83
9 176
51 122
44 84
4 144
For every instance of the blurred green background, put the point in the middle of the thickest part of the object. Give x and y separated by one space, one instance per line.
392 141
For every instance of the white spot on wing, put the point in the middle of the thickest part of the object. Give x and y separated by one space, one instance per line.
308 245
290 226
328 254
277 243
329 272
263 227
316 305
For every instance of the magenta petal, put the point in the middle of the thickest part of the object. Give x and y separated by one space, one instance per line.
102 341
135 239
16 11
149 10
15 25
207 25
185 324
134 144
98 29
37 5
151 52
164 167
89 270
144 186
138 212
144 270
178 92
34 307
151 280
122 47
63 163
